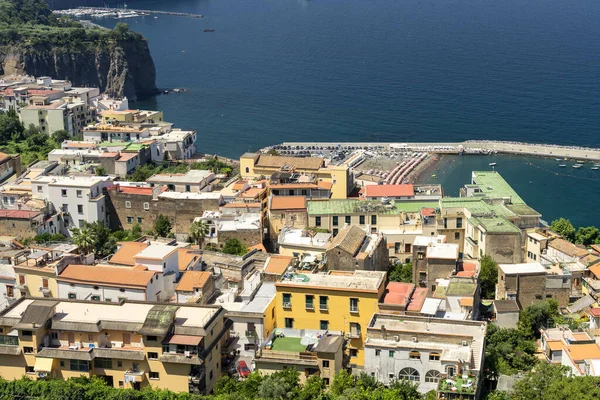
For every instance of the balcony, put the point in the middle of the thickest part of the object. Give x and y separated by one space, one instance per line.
458 387
180 358
9 340
133 376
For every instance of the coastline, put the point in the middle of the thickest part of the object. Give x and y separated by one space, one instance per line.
423 170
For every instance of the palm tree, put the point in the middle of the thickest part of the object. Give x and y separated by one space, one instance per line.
198 231
85 239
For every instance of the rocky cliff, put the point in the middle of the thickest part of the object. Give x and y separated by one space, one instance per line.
118 68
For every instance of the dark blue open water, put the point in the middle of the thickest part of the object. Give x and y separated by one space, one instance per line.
385 70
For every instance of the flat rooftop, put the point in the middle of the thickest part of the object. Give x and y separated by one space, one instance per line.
362 281
350 206
445 251
427 240
493 185
495 224
93 313
76 181
156 251
194 316
427 325
299 237
522 269
193 177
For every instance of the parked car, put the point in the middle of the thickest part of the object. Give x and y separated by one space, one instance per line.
243 369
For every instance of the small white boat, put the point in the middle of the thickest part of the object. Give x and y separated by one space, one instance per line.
562 165
595 168
558 159
577 166
492 164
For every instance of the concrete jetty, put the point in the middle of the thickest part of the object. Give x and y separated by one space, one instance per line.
467 147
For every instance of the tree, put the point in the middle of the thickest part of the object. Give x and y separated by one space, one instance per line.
163 226
539 315
341 382
136 231
198 232
84 239
280 385
401 273
548 381
235 247
508 351
60 136
101 171
563 227
10 126
587 235
488 277
313 388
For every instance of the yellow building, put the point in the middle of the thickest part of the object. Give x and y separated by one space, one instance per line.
337 302
36 276
253 165
132 116
129 344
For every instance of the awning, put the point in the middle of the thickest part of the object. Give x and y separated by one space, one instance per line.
184 340
43 364
37 254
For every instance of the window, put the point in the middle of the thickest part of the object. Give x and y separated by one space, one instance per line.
324 325
188 188
63 192
434 356
119 364
391 354
29 370
348 219
40 189
45 283
354 329
334 232
335 220
247 170
353 305
153 375
317 221
323 303
79 365
108 300
377 353
409 374
95 298
72 296
210 376
79 193
450 371
127 204
433 376
373 219
325 364
65 208
79 208
121 386
139 220
289 322
28 350
10 291
414 355
151 339
146 206
130 220
26 333
353 353
105 363
287 300
445 223
361 220
457 235
458 223
21 280
310 302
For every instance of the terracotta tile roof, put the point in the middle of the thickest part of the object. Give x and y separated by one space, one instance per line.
465 274
240 204
278 264
579 352
192 280
555 345
595 269
428 212
595 311
466 302
567 248
80 145
253 192
595 247
127 156
126 252
288 203
109 154
417 299
389 190
348 239
590 259
239 185
259 247
395 298
105 275
18 214
405 289
185 257
325 185
312 163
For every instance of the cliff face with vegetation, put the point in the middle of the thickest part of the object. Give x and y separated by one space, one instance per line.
34 41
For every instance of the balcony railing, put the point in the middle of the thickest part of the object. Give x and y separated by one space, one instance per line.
323 307
9 340
287 304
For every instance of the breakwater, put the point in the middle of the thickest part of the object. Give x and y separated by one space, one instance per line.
467 147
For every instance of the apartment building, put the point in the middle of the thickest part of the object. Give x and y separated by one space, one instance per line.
128 344
254 165
423 350
286 212
300 243
192 181
433 259
65 114
576 350
353 249
195 287
79 198
177 144
298 184
335 301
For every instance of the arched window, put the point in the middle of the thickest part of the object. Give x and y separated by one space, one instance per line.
247 170
433 376
409 374
414 355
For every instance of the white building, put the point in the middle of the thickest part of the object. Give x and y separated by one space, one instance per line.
421 349
159 258
110 284
178 144
7 285
192 181
195 287
80 198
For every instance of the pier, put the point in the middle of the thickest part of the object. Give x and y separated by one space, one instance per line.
468 147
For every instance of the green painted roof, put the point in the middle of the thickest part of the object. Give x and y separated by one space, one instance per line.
522 209
135 146
493 185
501 211
461 287
494 224
112 144
346 207
476 206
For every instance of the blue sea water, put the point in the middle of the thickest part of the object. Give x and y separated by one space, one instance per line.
387 70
